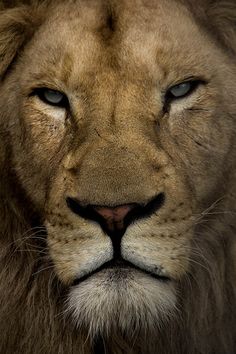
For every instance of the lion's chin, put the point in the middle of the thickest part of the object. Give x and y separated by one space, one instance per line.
124 300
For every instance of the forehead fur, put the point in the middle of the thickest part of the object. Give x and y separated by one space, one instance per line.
109 20
117 34
217 15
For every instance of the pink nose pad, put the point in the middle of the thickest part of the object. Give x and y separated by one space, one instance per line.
114 217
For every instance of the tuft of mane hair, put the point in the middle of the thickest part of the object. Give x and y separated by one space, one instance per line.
219 19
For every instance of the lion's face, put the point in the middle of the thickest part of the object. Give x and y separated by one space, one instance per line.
120 166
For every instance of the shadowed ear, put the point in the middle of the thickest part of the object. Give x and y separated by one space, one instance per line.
219 19
17 26
223 16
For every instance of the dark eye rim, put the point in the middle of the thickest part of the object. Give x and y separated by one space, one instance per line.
195 83
169 97
64 103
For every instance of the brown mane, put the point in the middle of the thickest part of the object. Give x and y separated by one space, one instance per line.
32 298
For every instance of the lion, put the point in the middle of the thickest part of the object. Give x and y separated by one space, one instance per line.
117 182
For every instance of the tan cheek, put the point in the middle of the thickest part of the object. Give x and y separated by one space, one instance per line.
165 243
46 127
76 249
56 114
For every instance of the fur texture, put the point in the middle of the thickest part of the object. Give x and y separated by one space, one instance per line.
117 144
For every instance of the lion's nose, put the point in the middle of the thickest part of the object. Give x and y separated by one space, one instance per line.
114 217
111 219
115 220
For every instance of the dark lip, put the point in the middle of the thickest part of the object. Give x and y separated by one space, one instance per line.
120 264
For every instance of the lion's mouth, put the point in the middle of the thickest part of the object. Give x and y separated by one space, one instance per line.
120 267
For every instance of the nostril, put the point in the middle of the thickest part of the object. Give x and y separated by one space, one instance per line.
142 211
74 205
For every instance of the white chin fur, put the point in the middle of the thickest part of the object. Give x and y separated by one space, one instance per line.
127 301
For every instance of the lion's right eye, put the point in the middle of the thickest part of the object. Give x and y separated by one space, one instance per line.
52 97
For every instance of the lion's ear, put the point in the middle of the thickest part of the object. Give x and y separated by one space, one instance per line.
221 15
219 19
16 28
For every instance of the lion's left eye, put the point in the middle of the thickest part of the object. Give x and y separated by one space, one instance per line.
182 90
52 97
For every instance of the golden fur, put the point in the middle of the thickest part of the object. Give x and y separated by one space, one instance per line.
117 145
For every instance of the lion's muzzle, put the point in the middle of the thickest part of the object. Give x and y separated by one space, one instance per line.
115 220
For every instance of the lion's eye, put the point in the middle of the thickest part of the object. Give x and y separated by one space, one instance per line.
52 97
182 90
